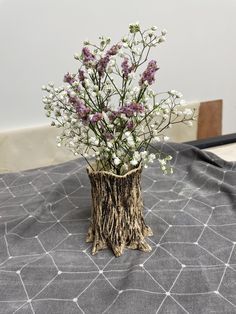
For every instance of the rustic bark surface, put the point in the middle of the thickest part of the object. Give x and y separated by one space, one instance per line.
117 216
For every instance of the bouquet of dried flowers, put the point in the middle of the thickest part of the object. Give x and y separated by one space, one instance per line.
107 110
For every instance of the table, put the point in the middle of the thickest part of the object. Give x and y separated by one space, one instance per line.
46 266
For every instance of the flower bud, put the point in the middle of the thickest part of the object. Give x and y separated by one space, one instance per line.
162 39
164 32
76 56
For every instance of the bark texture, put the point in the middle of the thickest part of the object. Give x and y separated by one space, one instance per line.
117 216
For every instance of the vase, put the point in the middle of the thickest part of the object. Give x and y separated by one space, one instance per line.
117 219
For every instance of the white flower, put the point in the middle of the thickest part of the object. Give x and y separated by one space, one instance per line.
187 112
90 71
127 134
151 157
86 42
123 116
72 94
144 154
95 88
130 141
134 162
162 39
172 92
164 32
117 161
94 141
76 56
87 83
162 162
166 138
150 33
179 95
132 75
157 138
136 155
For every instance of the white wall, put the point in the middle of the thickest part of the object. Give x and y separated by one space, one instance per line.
39 37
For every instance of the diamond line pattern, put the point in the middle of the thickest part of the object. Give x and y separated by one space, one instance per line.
46 266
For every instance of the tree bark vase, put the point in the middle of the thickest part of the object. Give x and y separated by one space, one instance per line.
117 215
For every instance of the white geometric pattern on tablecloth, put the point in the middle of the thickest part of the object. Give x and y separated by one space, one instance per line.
46 266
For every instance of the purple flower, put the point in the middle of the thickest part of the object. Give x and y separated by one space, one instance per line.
96 117
69 78
76 88
113 50
112 115
131 109
80 108
130 125
81 76
149 74
102 64
87 55
72 98
126 69
109 135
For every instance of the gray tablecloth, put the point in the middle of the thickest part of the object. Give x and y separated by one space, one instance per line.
46 266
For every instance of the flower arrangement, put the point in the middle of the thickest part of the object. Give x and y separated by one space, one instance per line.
107 109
